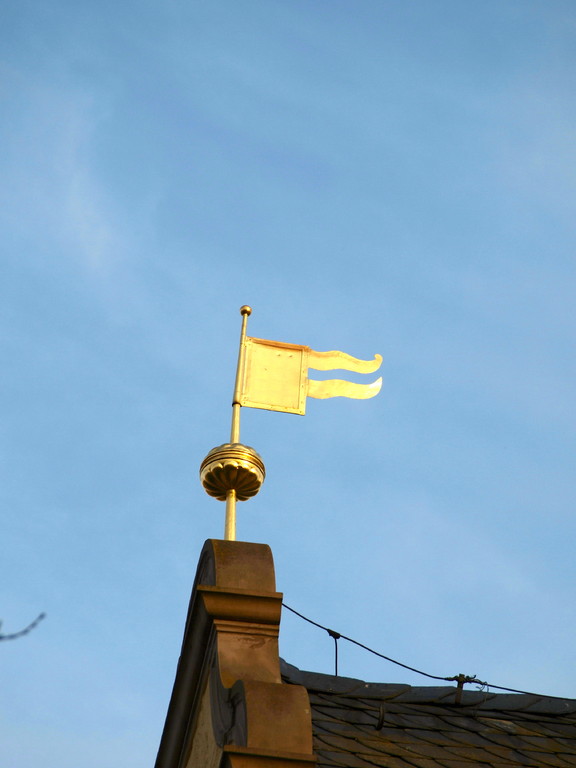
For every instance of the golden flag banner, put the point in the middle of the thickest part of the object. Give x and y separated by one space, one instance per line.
274 375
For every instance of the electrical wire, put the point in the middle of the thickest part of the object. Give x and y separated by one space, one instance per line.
459 679
331 632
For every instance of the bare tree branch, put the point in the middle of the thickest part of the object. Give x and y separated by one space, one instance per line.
22 632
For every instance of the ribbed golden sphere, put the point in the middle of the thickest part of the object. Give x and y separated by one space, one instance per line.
232 466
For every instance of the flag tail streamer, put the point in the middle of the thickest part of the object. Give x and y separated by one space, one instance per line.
328 361
339 388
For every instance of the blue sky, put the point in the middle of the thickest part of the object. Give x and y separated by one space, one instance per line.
372 177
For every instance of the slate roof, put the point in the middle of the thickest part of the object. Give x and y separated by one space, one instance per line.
363 725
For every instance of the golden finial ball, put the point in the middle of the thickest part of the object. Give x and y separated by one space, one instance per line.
232 467
246 310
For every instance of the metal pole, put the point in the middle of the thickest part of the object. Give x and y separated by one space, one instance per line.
245 311
230 523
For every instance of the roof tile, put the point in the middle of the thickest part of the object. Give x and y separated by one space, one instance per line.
425 728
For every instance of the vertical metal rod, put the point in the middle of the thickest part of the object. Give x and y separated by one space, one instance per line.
336 656
230 522
245 311
335 636
235 430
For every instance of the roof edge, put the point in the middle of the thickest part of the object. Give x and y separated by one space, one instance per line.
318 682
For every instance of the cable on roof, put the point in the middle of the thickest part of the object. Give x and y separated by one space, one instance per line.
460 680
361 645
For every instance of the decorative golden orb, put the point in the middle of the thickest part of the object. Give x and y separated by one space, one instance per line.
246 310
232 467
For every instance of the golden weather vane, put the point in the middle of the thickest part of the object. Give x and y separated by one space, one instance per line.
274 376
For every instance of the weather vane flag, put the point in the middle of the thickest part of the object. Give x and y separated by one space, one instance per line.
274 376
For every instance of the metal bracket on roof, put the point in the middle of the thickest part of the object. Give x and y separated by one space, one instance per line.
460 680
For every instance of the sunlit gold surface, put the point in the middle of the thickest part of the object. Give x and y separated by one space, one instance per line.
245 311
232 467
230 518
274 375
339 388
329 361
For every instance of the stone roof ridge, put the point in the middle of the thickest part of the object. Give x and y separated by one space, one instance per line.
318 682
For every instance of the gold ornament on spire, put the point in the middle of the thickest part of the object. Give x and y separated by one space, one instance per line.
274 376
